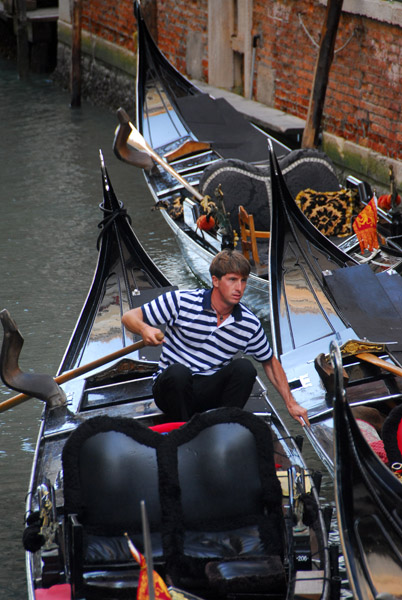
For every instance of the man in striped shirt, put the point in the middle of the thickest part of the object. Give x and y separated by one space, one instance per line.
206 329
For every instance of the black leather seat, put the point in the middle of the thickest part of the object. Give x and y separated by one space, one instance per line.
230 515
213 500
109 466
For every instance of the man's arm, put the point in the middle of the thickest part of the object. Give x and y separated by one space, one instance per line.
276 375
133 320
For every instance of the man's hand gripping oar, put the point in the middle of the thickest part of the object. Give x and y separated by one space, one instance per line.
41 386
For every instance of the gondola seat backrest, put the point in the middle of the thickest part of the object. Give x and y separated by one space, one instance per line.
241 184
230 496
308 168
109 466
210 489
250 186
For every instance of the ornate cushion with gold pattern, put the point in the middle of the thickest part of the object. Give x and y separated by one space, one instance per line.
330 212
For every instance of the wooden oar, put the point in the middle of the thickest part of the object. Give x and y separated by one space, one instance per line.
365 350
68 375
361 350
379 362
139 142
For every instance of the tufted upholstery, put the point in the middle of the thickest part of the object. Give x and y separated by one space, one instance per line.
231 499
109 466
210 489
241 184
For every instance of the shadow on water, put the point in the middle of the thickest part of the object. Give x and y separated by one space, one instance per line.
50 192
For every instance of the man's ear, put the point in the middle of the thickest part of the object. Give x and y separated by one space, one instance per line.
215 281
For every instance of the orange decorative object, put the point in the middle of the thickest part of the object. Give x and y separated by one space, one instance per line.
384 201
205 222
161 591
365 227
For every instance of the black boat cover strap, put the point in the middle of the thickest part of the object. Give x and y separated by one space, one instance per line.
372 303
229 133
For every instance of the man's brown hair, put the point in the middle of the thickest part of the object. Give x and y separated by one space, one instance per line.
229 261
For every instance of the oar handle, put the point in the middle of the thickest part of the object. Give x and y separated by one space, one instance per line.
68 375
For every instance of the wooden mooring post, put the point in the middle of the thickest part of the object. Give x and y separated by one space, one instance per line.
321 74
22 39
76 55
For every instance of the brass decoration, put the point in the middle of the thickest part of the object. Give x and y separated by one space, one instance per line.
352 347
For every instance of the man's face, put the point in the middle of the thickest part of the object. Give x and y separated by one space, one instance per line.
230 288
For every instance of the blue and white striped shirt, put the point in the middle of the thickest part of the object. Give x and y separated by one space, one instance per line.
193 338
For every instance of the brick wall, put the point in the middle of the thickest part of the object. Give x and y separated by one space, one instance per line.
177 20
112 21
363 102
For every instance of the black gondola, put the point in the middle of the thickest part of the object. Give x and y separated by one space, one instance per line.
201 146
189 131
96 458
369 505
319 294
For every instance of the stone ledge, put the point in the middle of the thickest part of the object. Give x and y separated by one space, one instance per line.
363 162
43 14
258 113
385 11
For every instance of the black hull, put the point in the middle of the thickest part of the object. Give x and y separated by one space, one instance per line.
369 507
316 295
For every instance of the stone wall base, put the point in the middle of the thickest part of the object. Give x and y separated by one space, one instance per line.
101 84
362 162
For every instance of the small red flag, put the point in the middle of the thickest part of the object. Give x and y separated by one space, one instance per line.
365 226
161 591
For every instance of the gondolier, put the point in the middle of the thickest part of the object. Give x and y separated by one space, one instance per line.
199 368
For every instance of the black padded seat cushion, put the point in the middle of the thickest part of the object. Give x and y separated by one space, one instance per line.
247 576
103 550
224 544
231 498
110 465
308 168
241 184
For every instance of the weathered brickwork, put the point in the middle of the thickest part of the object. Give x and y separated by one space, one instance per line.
177 20
363 101
112 21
